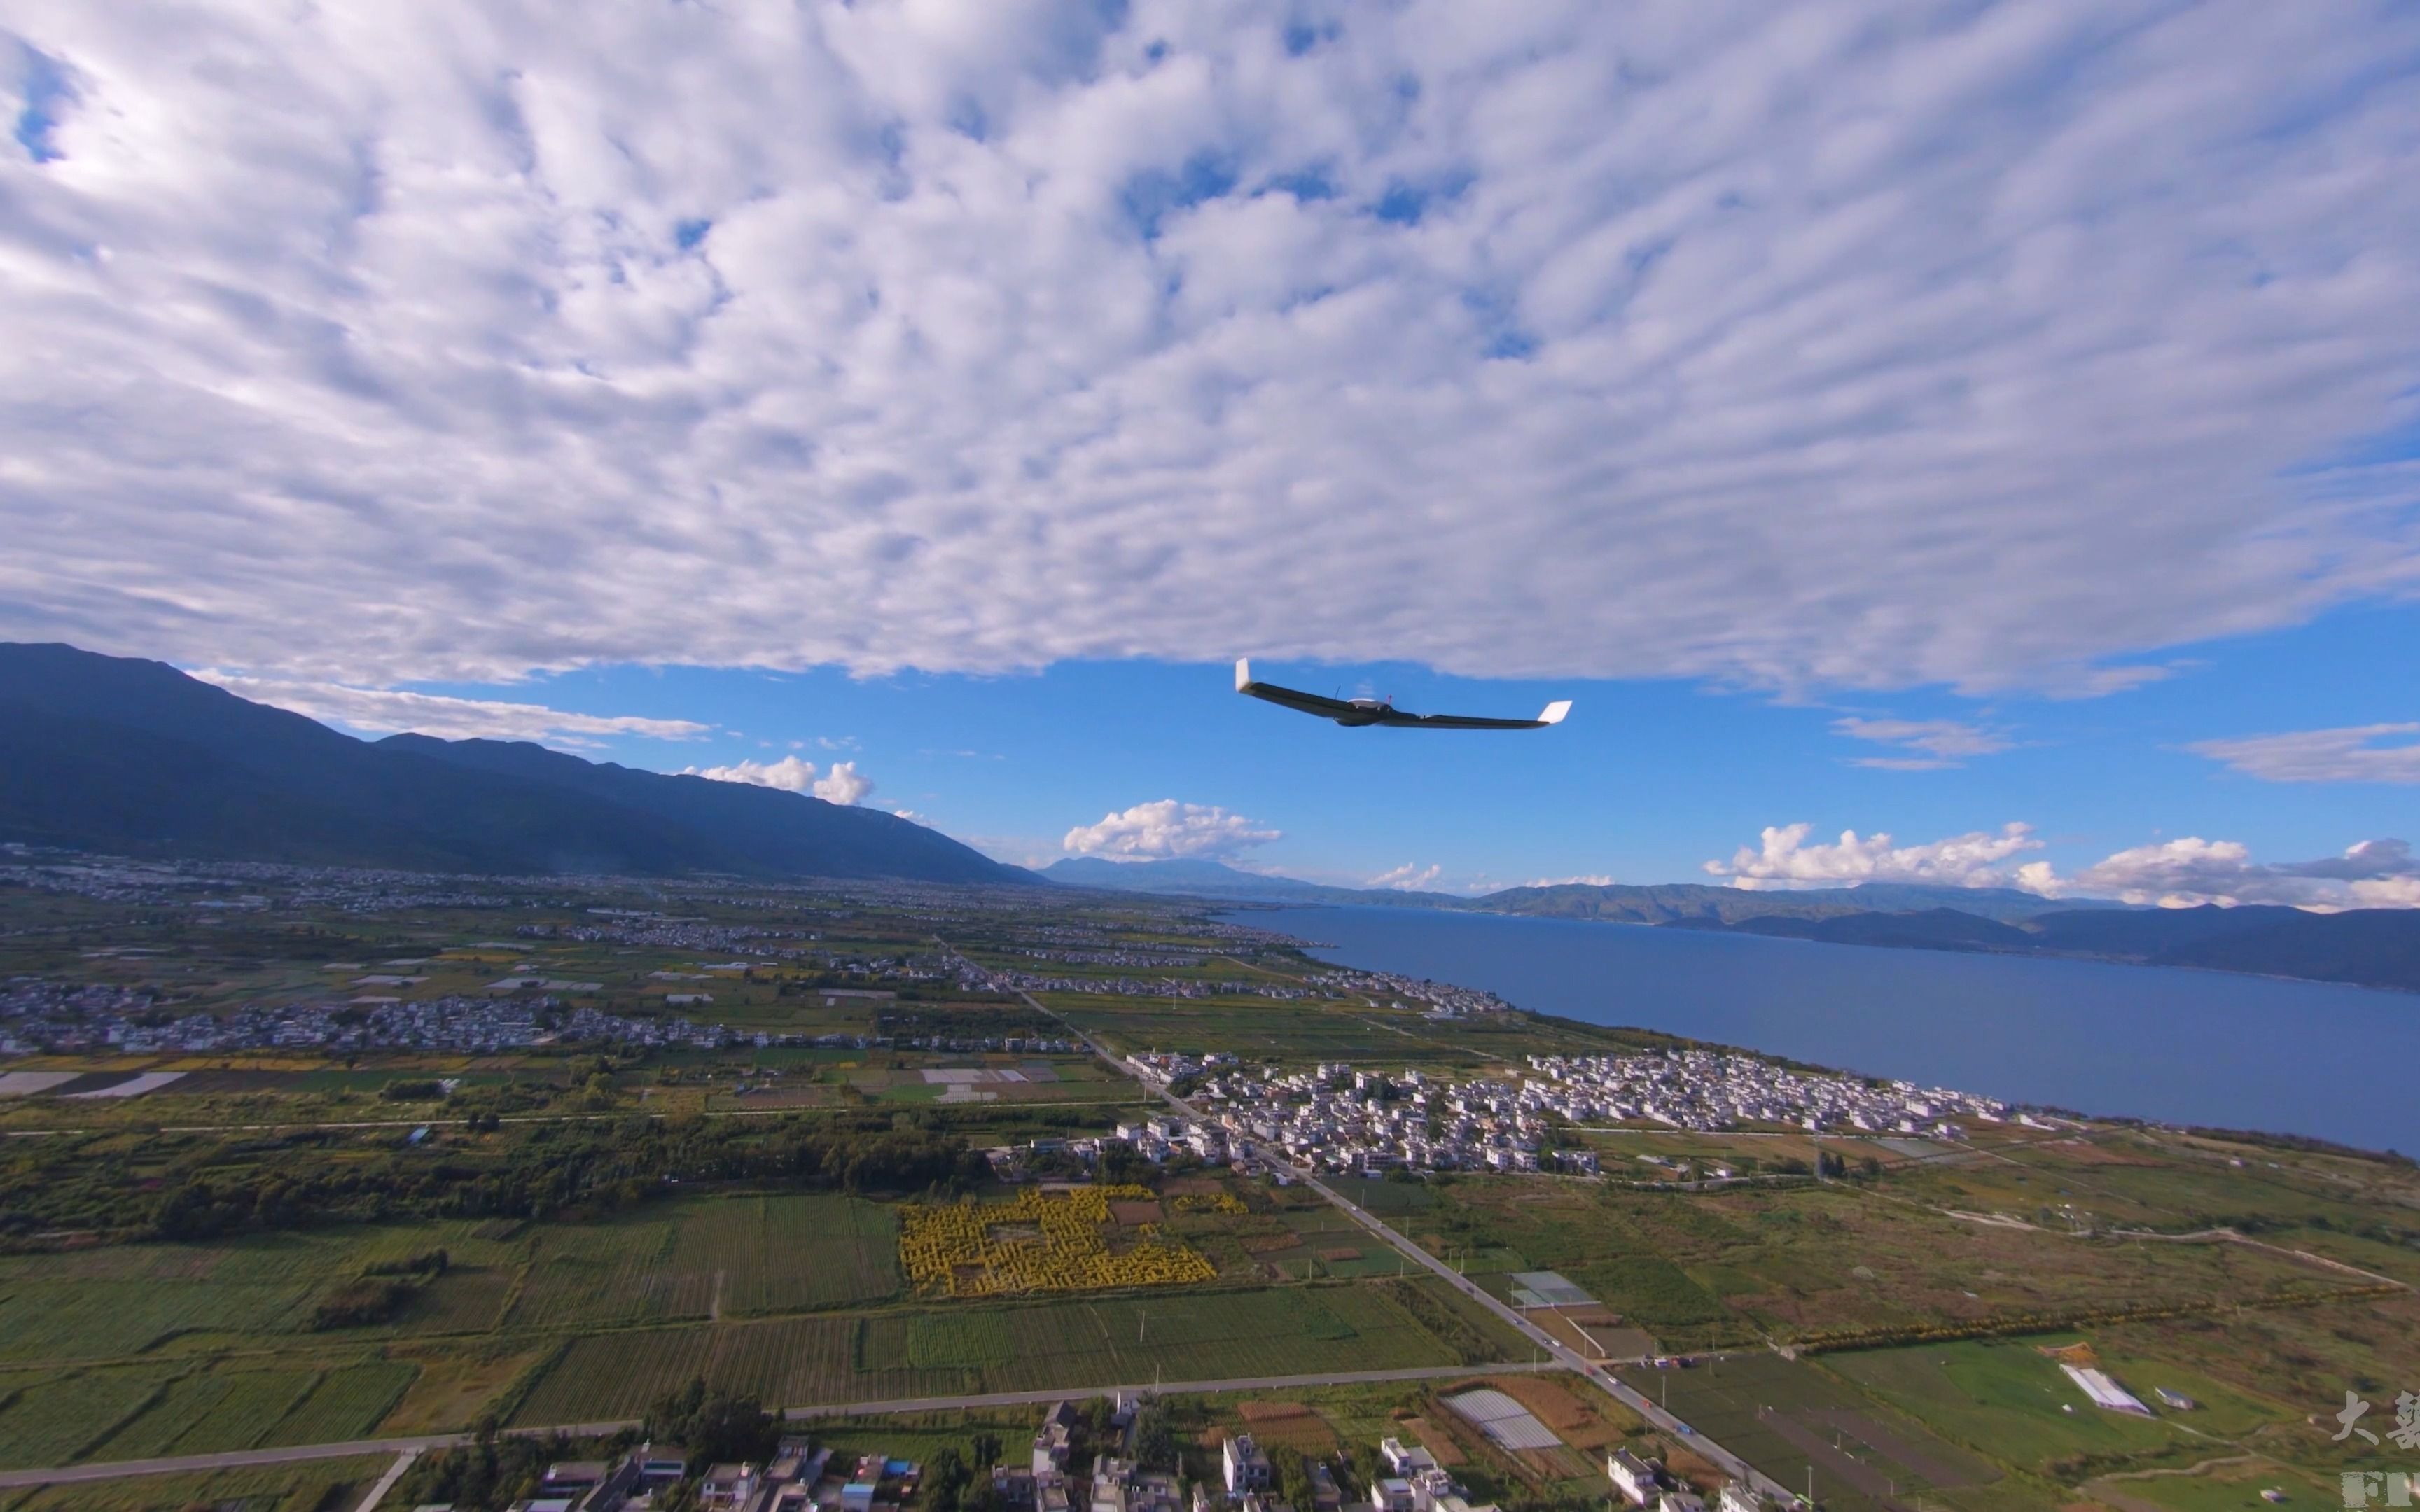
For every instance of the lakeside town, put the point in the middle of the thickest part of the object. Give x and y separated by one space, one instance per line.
1346 1119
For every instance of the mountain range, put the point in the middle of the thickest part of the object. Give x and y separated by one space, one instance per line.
1660 903
2371 947
134 758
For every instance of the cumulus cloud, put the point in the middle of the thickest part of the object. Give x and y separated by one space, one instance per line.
1784 860
1942 743
1408 877
2378 873
842 784
1592 879
1168 828
386 711
2180 872
1889 342
2358 754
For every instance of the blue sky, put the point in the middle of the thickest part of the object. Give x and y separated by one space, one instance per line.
2021 396
1647 780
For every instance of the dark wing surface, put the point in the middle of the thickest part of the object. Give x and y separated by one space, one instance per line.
1366 713
1286 697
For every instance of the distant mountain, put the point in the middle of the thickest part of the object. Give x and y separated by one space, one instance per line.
2370 946
1185 877
1667 904
1934 928
1676 902
134 758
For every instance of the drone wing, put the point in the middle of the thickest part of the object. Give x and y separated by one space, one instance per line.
1553 714
1286 697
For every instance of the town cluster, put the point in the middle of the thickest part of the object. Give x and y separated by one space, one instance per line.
1443 998
1710 1089
1341 1119
58 1017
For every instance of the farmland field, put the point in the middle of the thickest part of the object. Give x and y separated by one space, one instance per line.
727 1256
2003 1393
1787 1416
345 1403
50 1421
886 1356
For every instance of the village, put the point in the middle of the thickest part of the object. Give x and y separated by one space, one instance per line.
1340 1118
1086 1458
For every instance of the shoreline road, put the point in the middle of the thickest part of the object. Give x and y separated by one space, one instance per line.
1554 1349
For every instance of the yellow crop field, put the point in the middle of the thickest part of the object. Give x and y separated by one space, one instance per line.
1211 1202
1039 1242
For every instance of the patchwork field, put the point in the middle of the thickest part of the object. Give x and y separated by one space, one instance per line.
893 1355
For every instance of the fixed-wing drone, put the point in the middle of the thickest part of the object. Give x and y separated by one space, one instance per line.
1357 711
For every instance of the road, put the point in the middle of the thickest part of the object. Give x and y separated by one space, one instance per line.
116 1469
290 1455
1163 1388
1555 1349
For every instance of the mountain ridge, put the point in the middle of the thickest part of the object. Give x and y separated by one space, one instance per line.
133 757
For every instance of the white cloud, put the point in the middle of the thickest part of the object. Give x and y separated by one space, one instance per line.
1873 344
2349 755
1168 828
1593 879
1944 743
842 784
2378 873
789 774
1408 877
386 711
1784 860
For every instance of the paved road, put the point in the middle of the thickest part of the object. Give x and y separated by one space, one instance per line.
1554 1349
386 1483
1164 1388
1564 1356
290 1455
406 1449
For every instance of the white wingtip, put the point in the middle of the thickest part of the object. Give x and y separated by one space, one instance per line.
1556 711
1243 673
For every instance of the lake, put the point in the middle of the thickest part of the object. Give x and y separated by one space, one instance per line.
2146 1041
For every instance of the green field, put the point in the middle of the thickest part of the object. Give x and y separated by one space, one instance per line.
980 1347
2005 1394
1788 1417
52 1421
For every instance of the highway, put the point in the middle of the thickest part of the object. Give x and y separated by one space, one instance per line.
1555 1349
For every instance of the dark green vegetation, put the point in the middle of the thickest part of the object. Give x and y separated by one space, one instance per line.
184 1186
84 738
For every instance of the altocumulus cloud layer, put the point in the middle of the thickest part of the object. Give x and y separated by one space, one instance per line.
1862 344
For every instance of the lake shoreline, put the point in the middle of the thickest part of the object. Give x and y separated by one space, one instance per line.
2186 1046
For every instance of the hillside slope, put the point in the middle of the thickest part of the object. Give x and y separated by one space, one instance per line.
132 757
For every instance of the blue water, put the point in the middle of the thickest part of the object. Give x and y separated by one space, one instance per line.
2146 1041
